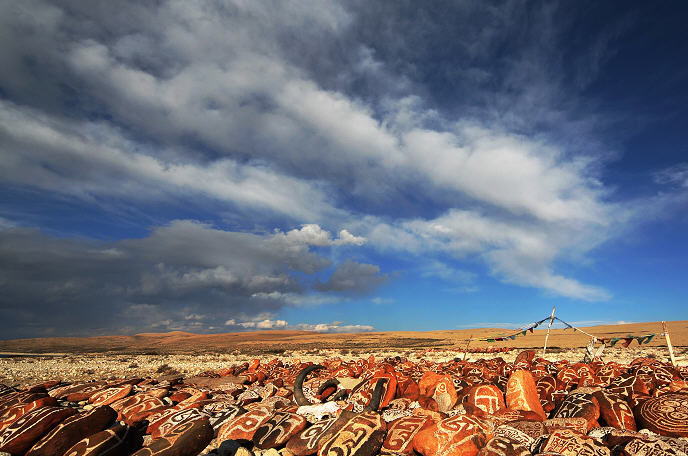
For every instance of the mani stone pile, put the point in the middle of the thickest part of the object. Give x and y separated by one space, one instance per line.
364 407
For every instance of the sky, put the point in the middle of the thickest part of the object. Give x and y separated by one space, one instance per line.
340 166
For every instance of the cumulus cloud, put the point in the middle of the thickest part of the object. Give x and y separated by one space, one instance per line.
334 328
185 275
353 277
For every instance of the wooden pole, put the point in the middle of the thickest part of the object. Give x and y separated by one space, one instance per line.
465 350
671 348
551 320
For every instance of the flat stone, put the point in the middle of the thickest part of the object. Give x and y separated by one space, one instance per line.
311 439
117 440
110 395
566 442
362 435
665 415
186 439
579 425
455 436
522 432
15 412
400 434
615 411
27 430
579 405
175 420
277 430
503 446
73 429
244 426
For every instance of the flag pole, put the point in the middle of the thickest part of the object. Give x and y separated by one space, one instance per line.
465 350
551 319
671 348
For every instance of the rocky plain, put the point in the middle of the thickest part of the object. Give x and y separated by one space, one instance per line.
298 393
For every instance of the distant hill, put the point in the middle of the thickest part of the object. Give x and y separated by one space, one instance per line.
279 341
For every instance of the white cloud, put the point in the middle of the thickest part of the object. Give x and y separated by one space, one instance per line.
334 328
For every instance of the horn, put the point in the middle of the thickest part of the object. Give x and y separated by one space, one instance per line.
340 395
298 383
331 382
375 399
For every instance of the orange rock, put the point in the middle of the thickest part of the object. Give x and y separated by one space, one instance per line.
460 435
522 394
488 398
440 388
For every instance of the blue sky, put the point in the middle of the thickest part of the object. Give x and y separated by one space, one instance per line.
340 166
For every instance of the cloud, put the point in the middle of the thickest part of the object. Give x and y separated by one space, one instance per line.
449 140
334 328
185 275
520 252
353 277
673 175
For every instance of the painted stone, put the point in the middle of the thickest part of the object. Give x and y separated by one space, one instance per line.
615 411
507 415
503 446
522 432
626 385
73 429
522 394
110 395
579 405
277 430
218 419
665 415
488 398
311 439
526 356
119 440
445 394
566 442
362 435
455 436
579 425
17 411
400 434
187 439
159 416
84 392
643 445
243 427
19 398
175 420
27 430
138 412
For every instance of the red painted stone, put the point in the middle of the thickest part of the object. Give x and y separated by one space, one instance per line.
488 398
522 394
278 430
110 395
400 434
244 426
615 411
666 415
73 429
186 439
23 433
118 440
460 435
362 435
17 411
